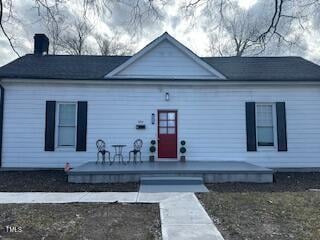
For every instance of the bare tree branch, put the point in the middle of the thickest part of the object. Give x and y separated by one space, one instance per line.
279 23
245 36
141 11
74 39
112 46
4 31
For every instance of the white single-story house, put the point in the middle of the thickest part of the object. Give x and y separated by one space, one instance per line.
262 110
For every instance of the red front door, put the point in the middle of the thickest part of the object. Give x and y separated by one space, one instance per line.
167 134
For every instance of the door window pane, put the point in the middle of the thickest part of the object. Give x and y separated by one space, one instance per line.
171 123
66 124
171 130
163 130
167 122
163 116
171 116
163 123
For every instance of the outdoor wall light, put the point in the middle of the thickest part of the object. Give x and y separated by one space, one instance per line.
153 118
167 96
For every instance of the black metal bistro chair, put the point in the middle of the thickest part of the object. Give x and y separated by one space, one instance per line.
101 146
137 145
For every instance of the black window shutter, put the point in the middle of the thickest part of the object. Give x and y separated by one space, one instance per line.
251 126
50 125
82 126
281 126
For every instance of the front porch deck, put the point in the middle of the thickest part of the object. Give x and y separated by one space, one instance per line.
215 171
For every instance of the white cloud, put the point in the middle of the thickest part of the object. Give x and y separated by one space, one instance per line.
191 34
246 4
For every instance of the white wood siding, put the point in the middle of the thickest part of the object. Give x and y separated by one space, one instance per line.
165 60
211 119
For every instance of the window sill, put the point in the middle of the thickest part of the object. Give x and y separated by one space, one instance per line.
267 149
65 149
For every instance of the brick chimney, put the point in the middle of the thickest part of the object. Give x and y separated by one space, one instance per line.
41 44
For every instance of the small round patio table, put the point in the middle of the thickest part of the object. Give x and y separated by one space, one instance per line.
118 152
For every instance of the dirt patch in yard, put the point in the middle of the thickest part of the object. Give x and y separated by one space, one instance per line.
283 182
80 221
267 216
54 181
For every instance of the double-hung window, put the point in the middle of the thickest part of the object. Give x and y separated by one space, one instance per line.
66 124
265 122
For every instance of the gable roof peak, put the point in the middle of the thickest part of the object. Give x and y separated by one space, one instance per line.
165 34
153 44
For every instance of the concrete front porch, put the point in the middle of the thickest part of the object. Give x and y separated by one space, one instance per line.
211 172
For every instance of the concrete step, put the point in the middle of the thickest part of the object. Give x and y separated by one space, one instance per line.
171 180
173 188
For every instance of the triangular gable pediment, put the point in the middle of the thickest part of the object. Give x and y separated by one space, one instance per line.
165 58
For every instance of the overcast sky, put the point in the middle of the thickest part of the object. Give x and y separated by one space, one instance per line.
194 37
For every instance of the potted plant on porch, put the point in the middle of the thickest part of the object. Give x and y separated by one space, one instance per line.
183 150
152 150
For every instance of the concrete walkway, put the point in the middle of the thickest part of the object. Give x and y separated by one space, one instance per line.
182 215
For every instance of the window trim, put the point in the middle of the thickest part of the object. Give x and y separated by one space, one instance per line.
274 122
58 147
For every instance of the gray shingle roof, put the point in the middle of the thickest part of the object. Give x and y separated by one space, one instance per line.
61 66
266 68
95 67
